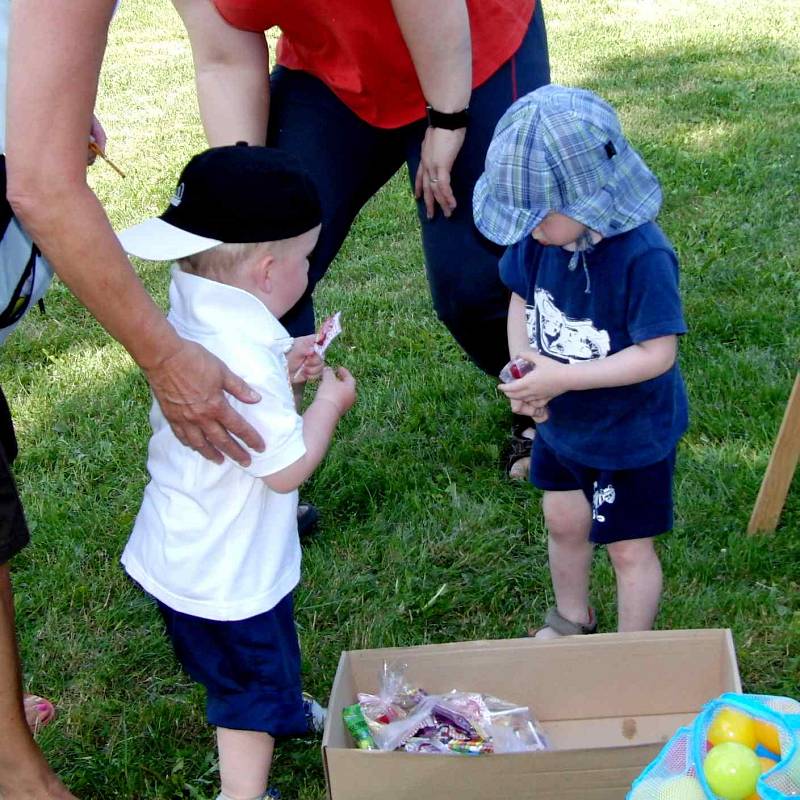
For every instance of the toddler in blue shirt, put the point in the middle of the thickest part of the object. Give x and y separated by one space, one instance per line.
595 308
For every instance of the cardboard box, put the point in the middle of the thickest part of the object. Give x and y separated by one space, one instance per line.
608 703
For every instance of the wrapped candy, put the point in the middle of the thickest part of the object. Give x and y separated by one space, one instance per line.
403 717
357 725
515 369
328 331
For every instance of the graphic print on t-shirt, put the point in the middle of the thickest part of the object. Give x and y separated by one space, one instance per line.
554 334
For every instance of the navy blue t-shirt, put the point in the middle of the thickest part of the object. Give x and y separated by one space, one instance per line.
632 282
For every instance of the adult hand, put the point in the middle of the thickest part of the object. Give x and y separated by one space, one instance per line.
189 387
440 147
97 135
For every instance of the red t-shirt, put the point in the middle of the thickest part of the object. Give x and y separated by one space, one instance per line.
357 50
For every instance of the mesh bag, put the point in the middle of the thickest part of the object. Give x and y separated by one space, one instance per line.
677 771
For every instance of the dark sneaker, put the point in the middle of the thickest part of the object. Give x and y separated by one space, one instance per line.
307 519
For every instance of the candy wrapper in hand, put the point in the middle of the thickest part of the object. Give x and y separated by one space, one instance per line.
328 331
515 369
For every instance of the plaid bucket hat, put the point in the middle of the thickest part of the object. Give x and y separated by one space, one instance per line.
562 149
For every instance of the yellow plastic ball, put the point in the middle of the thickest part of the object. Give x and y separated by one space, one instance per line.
767 736
682 788
732 726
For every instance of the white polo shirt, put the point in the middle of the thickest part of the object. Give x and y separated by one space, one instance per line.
213 540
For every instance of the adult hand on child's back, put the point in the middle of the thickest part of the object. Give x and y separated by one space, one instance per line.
189 386
339 388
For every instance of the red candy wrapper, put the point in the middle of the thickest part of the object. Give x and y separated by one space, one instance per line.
515 369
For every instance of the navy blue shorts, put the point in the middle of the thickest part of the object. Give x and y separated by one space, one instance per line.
250 668
626 503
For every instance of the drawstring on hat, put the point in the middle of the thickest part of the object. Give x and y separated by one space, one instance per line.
583 244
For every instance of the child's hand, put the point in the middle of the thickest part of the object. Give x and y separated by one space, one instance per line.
547 379
303 362
338 388
538 415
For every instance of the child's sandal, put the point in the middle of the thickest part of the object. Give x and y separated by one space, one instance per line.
566 627
519 449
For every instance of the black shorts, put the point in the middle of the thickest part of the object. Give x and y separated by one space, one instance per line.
13 530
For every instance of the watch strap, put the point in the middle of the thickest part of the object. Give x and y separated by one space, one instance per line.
450 121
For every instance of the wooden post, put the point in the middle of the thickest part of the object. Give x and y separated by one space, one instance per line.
780 470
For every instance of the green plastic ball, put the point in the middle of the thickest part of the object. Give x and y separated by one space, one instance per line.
732 770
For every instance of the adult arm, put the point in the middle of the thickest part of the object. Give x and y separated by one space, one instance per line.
232 74
438 37
55 54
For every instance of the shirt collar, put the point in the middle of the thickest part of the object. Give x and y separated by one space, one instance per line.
200 305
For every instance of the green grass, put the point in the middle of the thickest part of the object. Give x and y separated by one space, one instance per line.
423 540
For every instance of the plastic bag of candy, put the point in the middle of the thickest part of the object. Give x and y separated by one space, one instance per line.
404 717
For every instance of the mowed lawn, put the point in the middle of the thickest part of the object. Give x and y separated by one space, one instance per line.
423 540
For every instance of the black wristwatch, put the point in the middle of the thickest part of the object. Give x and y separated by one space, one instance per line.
452 121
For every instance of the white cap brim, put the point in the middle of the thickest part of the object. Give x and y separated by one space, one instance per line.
156 240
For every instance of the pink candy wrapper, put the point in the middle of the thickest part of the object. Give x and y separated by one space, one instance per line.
328 331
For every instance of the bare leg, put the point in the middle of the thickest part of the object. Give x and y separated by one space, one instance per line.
568 518
639 582
244 761
24 773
